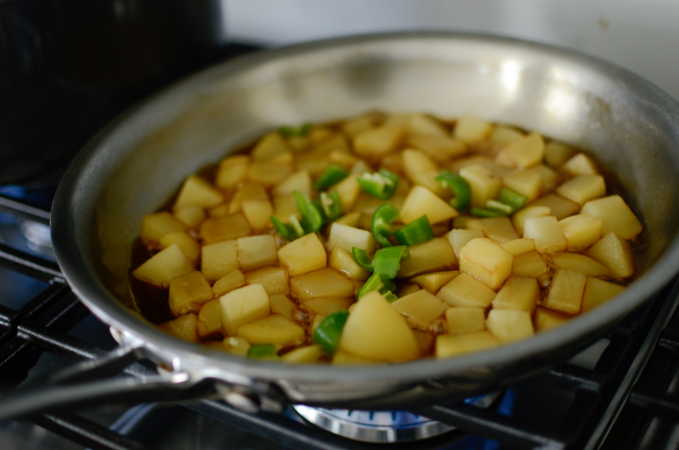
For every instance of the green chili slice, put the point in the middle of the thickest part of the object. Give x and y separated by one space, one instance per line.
312 219
263 351
293 230
332 175
327 334
377 283
301 130
389 296
486 212
330 206
499 206
512 198
417 231
381 184
387 261
460 186
362 259
381 225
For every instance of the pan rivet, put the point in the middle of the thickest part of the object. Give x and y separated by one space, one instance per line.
242 402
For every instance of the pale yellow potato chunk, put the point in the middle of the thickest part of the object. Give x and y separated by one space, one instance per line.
258 213
430 256
465 319
438 148
448 345
161 268
321 283
303 255
510 325
583 188
484 183
367 204
328 305
286 206
519 246
546 233
557 153
374 330
470 128
525 182
526 151
458 238
616 216
351 219
598 292
272 146
192 215
550 179
519 218
218 229
421 201
273 279
498 229
348 190
242 306
423 125
183 327
232 172
306 354
378 141
581 231
209 324
465 290
546 319
565 292
229 282
615 253
503 134
219 259
420 308
344 263
188 292
405 289
432 282
357 125
236 345
274 329
415 163
518 293
579 263
347 238
269 173
559 207
298 181
281 304
258 251
580 164
249 191
487 261
197 191
529 264
155 226
186 243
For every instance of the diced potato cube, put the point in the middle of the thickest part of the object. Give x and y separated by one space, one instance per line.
438 148
281 304
458 238
374 330
273 279
161 268
286 206
525 182
421 201
487 261
306 354
580 164
503 134
321 283
314 161
209 323
565 292
236 345
405 289
465 290
510 325
529 264
274 329
546 319
615 253
188 292
465 319
598 292
155 226
250 191
268 173
583 188
351 220
367 204
430 256
303 255
328 305
550 179
272 146
579 263
357 125
519 246
298 181
448 345
183 327
526 151
186 243
471 128
347 238
229 282
242 306
484 183
218 211
616 216
197 191
218 229
258 251
258 213
219 259
518 293
557 153
519 218
344 263
420 308
581 231
192 215
558 206
232 172
423 125
498 229
378 141
546 233
416 163
432 282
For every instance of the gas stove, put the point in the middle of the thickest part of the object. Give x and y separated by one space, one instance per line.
619 393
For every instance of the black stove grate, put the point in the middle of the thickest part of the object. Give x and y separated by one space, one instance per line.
629 400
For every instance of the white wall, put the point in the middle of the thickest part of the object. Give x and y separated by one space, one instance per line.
640 35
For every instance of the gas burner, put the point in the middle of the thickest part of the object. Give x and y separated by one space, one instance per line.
382 426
